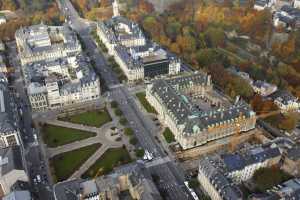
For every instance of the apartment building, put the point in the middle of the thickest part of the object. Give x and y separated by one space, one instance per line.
220 174
56 72
9 127
138 57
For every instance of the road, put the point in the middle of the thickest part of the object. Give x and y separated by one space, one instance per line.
36 164
171 176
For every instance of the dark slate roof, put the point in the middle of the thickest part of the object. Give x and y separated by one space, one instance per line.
284 97
8 108
183 111
293 153
11 159
234 162
68 190
225 188
110 27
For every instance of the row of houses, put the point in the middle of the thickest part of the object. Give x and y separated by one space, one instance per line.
56 72
14 181
138 57
282 98
221 174
286 13
133 178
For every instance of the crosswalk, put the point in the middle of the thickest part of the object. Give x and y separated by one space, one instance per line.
158 161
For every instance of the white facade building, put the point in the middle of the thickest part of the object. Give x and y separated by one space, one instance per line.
56 73
41 42
138 58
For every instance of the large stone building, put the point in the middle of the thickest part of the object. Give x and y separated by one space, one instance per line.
137 57
194 113
55 71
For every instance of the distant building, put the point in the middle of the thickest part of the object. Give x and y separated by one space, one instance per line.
130 180
9 119
3 67
287 17
138 58
262 4
219 175
241 167
175 100
215 184
289 190
292 161
2 46
297 4
18 195
286 101
120 31
11 168
2 19
116 11
42 43
263 88
138 64
56 73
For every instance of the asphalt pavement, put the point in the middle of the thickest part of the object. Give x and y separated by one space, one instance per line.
35 161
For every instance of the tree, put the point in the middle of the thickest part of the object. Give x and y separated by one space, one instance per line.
173 29
289 122
215 37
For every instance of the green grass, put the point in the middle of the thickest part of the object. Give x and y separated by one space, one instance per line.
168 135
128 131
66 164
110 159
55 136
92 118
142 98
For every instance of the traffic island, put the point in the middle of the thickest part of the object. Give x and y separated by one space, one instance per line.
54 136
65 164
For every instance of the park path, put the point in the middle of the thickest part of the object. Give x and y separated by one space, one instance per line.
83 168
99 138
102 136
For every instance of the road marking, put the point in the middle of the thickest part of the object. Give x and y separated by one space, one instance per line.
158 161
115 86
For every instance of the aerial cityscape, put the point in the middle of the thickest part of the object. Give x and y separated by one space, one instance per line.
149 99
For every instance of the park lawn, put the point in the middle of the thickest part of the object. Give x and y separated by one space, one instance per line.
65 164
142 98
55 136
91 118
110 159
168 135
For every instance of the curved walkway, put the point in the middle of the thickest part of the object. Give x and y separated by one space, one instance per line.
101 137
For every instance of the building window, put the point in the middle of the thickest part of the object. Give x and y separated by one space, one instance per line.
11 140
